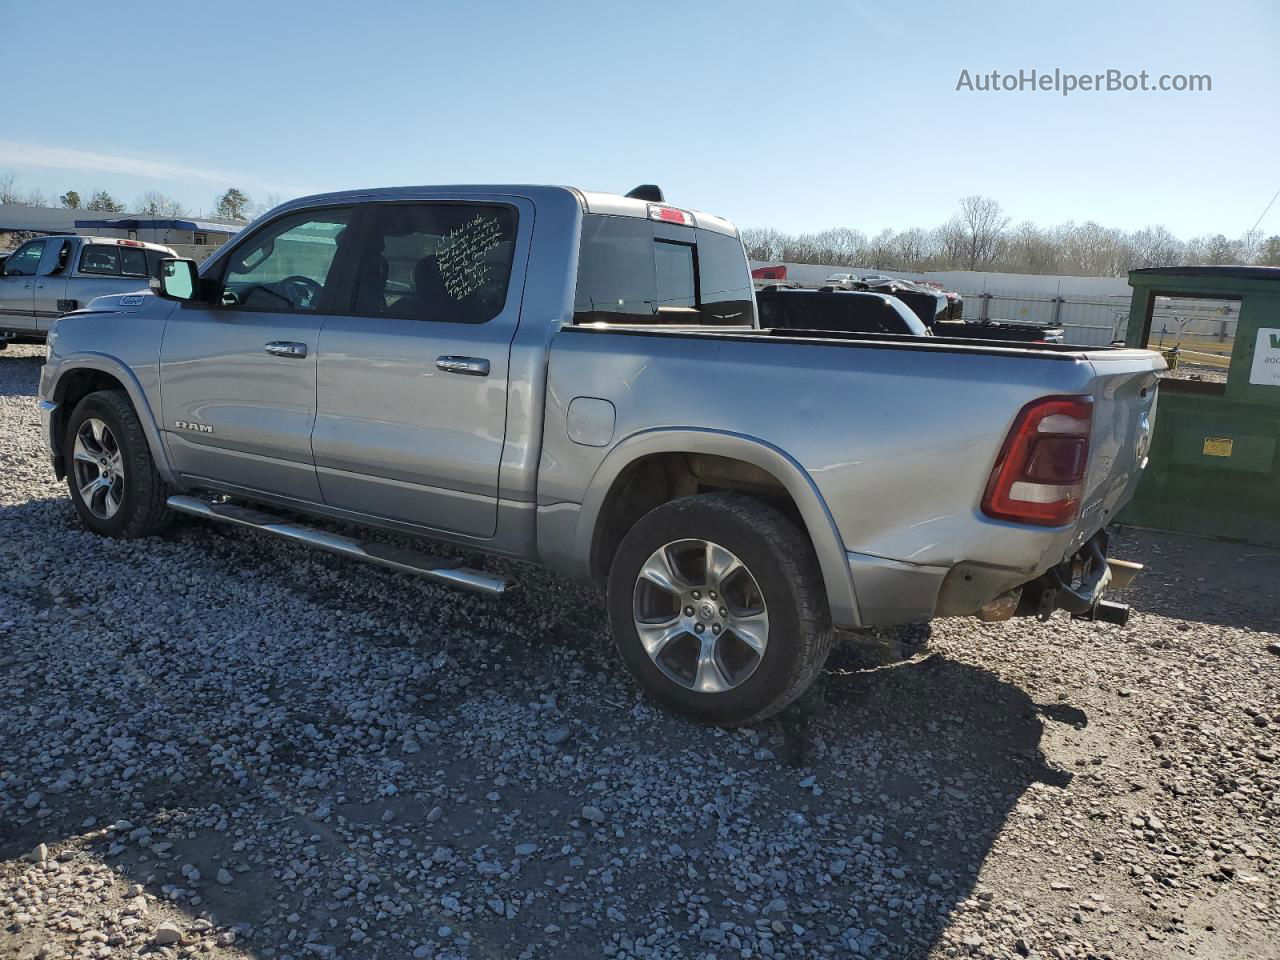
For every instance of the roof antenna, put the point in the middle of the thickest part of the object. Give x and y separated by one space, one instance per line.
647 191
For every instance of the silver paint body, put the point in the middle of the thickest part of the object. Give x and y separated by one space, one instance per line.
29 305
885 446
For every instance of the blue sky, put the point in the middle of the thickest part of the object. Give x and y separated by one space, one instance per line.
798 115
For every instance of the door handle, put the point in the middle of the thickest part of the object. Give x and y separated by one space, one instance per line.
467 366
286 348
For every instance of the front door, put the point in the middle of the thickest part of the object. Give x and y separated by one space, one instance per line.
238 375
412 378
17 287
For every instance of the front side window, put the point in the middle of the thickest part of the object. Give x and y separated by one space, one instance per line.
100 259
435 261
285 266
24 261
631 272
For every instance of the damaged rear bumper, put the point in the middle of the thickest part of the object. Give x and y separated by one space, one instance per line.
1077 585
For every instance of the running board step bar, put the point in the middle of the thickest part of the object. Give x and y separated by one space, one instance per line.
385 555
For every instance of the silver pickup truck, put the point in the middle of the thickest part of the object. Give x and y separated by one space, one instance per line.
578 379
49 276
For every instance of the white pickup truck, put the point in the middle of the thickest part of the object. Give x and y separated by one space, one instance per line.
49 276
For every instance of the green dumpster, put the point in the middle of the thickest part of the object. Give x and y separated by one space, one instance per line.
1213 468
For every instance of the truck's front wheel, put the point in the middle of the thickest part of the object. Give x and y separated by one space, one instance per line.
110 474
718 608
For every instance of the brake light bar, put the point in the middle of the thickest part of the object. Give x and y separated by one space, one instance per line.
1039 476
130 243
667 214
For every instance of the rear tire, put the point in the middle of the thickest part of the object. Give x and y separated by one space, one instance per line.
720 647
110 474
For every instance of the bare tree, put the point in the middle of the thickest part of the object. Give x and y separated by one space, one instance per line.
979 237
9 188
913 249
1155 247
984 221
157 204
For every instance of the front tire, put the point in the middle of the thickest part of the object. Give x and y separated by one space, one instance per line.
718 608
110 474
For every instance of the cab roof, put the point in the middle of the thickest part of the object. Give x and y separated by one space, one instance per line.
591 201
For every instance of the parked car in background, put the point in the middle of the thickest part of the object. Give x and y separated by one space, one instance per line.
49 276
775 275
844 310
926 303
842 281
1017 331
578 379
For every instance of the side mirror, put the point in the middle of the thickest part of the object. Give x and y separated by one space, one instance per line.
178 279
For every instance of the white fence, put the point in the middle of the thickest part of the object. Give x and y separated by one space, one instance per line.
1092 311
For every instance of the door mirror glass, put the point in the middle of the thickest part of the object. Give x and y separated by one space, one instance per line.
178 279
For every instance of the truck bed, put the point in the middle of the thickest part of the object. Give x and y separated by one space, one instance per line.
914 426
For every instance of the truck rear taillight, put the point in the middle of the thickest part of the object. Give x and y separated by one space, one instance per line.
670 215
1039 476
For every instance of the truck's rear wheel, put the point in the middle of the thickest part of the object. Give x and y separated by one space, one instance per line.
718 608
110 474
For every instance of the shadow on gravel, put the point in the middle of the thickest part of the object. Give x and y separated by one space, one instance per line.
853 824
1199 580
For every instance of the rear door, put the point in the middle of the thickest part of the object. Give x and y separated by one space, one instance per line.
413 372
51 283
238 376
17 287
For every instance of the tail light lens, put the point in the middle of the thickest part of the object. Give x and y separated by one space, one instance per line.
1040 473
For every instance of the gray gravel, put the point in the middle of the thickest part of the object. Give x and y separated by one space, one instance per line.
218 745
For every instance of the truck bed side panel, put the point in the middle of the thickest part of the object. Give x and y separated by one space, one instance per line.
899 441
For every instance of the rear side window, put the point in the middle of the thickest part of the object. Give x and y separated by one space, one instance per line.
133 261
153 262
435 261
633 271
100 259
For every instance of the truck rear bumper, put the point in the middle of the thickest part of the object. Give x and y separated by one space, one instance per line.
892 592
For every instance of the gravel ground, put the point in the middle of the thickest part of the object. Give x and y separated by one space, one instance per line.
218 745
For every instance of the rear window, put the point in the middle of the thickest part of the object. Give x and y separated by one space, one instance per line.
641 272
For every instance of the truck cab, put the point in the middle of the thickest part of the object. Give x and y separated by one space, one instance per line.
49 276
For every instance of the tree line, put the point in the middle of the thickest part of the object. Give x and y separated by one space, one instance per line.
981 236
233 204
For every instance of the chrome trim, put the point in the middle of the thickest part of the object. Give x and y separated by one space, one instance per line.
284 348
468 366
385 555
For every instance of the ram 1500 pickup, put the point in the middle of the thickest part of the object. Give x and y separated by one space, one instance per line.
578 379
49 276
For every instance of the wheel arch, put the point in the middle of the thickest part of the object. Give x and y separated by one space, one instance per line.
84 374
606 509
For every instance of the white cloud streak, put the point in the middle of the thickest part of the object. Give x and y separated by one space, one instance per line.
66 158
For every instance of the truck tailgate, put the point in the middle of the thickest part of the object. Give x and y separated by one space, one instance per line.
1124 392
